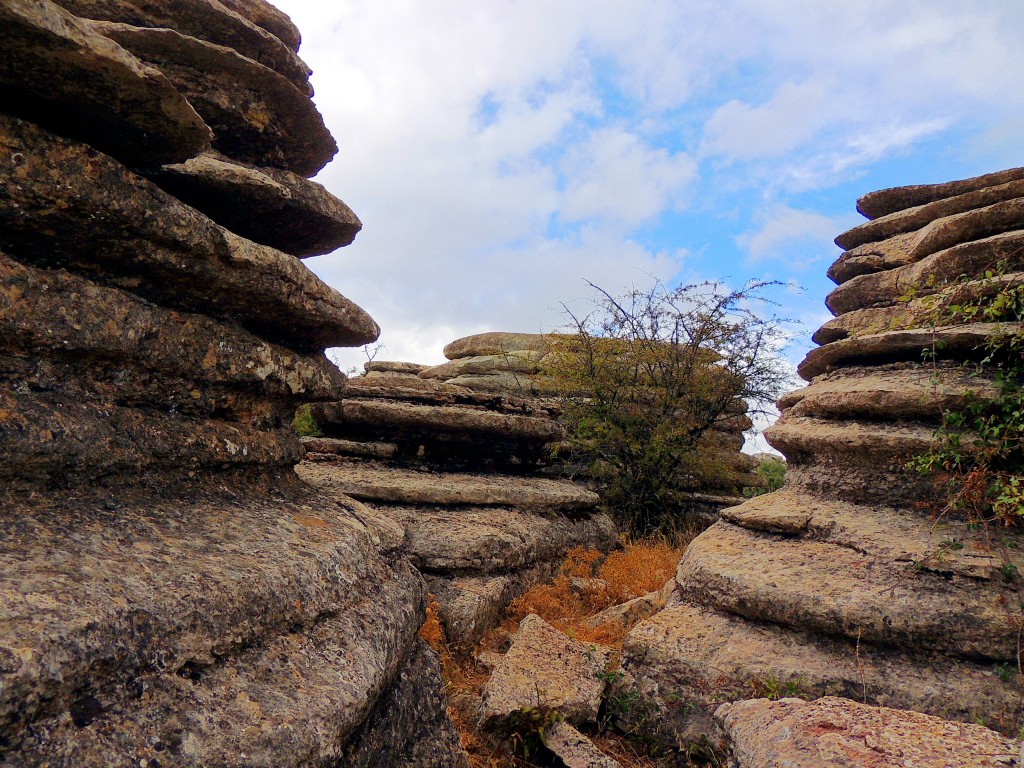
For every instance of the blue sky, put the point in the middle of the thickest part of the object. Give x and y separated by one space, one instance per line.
502 152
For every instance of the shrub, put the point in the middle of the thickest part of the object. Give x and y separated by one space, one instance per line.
651 376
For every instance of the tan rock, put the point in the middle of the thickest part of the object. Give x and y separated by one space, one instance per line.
546 671
901 391
926 311
267 205
204 19
408 486
803 439
630 612
886 201
506 362
409 419
497 343
958 342
391 366
573 748
332 446
929 275
687 660
56 315
921 217
839 732
185 652
257 116
58 71
834 590
911 247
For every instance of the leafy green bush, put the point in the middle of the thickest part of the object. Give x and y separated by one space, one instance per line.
303 422
651 376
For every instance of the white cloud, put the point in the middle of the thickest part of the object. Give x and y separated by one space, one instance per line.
786 233
473 135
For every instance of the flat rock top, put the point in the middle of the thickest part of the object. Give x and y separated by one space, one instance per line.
546 670
839 732
886 201
408 486
81 84
496 343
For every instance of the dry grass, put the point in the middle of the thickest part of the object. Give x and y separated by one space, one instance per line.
588 582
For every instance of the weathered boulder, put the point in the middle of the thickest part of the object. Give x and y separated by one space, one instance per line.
57 71
144 240
453 474
886 201
573 748
497 343
204 19
267 205
266 16
545 671
859 579
170 592
839 732
257 116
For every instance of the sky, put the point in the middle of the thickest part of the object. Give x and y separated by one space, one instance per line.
502 153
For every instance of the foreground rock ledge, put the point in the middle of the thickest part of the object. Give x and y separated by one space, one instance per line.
838 732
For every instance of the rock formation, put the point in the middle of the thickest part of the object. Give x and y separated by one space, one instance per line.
449 476
520 365
170 592
844 582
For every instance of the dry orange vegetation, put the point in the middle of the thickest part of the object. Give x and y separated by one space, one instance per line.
588 582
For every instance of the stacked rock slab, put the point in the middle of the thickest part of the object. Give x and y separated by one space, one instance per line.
844 582
449 476
518 365
170 592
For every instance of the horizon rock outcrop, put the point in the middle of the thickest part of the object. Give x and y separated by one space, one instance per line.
170 592
450 477
527 365
843 582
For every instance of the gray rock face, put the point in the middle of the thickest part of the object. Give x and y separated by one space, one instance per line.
457 486
207 20
574 749
842 583
56 70
269 206
170 592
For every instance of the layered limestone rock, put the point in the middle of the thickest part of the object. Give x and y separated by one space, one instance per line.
170 592
450 476
845 582
526 365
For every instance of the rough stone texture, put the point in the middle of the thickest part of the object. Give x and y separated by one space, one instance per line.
266 16
886 201
629 612
336 447
574 749
458 485
511 362
257 115
497 343
838 732
269 206
409 486
54 69
170 592
842 583
410 726
155 246
548 671
204 19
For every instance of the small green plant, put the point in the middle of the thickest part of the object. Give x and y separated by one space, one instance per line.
980 452
1006 672
771 687
303 422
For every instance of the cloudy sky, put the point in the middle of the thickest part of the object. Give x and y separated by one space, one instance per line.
502 152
